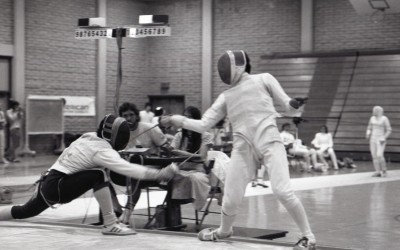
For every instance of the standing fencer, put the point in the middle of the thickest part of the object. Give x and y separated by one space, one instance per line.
77 170
249 105
378 131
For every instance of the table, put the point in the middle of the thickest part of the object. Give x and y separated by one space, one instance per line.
172 209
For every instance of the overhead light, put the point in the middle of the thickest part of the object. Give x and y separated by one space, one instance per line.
153 19
379 4
92 22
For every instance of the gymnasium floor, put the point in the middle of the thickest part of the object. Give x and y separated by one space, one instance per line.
348 209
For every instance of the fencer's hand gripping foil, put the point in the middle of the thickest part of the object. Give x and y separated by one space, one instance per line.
297 102
171 120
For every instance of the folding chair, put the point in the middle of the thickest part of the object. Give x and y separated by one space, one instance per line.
215 187
213 191
294 161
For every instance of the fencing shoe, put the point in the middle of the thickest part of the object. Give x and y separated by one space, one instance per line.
118 229
305 243
211 234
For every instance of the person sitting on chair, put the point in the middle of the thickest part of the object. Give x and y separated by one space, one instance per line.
296 148
192 183
144 135
81 168
323 142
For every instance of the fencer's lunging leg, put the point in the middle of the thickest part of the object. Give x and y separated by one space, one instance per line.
280 181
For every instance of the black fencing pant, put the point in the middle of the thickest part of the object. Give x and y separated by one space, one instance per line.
58 187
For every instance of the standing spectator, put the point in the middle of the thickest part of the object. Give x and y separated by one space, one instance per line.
323 142
3 123
378 131
14 117
146 115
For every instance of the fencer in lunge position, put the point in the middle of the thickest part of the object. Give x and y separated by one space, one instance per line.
81 168
378 131
249 105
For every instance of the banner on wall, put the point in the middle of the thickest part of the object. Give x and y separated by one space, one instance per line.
78 105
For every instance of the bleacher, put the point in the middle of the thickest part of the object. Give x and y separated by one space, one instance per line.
342 88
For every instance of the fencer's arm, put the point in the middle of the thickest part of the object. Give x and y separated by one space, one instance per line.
369 128
388 128
291 106
112 160
211 117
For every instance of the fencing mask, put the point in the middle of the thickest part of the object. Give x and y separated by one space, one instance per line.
231 66
115 130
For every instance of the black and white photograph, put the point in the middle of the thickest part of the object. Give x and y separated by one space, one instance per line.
199 124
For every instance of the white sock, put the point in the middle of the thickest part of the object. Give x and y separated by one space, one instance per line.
103 197
5 213
296 210
226 223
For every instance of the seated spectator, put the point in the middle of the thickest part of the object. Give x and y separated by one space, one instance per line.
323 143
193 183
143 135
148 136
296 148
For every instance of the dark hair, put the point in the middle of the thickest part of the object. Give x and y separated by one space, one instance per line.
13 103
194 112
285 125
129 106
147 104
100 129
248 65
325 127
194 138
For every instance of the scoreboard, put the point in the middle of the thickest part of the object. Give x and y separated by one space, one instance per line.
133 32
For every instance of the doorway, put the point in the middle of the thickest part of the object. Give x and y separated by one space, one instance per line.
172 104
